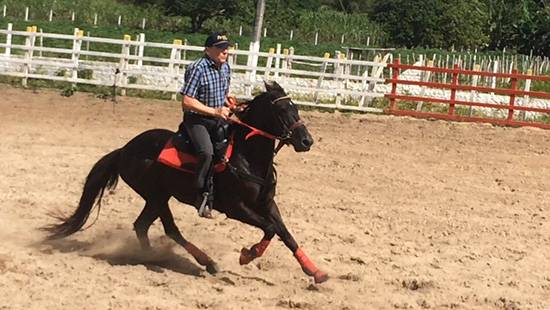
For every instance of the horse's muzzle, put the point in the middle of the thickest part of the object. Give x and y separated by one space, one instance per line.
302 144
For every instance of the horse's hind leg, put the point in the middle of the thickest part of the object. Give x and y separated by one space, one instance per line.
147 216
173 232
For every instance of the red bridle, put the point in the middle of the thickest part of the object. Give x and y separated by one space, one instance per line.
283 139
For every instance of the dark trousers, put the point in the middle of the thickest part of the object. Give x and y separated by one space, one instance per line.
200 128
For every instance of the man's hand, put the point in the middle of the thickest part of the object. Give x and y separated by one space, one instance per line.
231 102
222 112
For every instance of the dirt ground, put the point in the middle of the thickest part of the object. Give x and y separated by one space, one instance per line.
402 214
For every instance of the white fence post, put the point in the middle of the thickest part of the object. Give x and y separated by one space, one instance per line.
50 16
269 63
7 52
376 73
316 38
425 77
143 23
321 77
141 48
119 20
291 35
26 13
252 62
339 70
95 19
175 55
495 70
494 79
4 11
87 44
232 59
29 44
365 84
525 100
475 80
184 57
73 16
289 60
77 42
284 63
41 42
277 60
123 64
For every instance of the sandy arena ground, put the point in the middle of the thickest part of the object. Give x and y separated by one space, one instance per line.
402 213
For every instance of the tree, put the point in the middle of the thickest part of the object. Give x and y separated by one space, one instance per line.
348 6
200 11
434 23
464 24
523 25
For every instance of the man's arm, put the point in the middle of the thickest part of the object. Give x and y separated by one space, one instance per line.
190 103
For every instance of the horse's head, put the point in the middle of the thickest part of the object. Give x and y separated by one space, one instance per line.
284 120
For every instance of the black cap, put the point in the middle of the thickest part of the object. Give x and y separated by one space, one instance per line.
218 40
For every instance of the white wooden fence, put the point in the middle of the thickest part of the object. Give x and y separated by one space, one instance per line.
330 82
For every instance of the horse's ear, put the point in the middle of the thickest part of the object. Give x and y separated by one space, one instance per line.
272 86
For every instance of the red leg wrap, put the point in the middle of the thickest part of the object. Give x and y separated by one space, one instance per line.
199 255
255 251
261 247
309 267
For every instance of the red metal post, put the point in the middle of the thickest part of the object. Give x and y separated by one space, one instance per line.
514 86
395 76
453 90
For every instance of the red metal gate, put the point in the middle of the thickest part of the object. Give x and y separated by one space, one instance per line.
454 86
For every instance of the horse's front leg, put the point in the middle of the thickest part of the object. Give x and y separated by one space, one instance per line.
307 264
244 214
257 250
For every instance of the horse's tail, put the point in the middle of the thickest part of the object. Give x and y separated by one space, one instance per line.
104 175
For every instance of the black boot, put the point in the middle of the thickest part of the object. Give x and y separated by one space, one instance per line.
207 199
204 184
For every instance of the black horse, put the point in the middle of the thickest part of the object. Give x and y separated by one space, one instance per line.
244 192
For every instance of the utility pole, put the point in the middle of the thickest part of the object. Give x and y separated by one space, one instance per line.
255 44
260 9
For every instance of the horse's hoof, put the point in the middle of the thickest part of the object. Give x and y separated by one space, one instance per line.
320 276
246 256
213 268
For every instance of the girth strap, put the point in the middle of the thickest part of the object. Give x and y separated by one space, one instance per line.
244 175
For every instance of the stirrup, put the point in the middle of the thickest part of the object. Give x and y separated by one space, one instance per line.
205 209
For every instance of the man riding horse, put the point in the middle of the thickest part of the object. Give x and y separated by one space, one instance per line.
205 91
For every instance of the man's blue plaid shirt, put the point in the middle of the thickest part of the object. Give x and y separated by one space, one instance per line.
206 83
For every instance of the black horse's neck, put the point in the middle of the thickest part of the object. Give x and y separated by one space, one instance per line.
255 154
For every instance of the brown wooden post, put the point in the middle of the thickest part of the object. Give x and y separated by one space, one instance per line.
512 96
395 76
453 90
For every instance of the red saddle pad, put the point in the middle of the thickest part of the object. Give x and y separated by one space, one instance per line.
170 156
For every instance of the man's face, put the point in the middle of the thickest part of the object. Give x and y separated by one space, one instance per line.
218 55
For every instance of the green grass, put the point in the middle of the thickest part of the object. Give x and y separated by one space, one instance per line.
540 85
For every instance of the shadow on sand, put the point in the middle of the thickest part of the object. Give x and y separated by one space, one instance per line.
121 251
